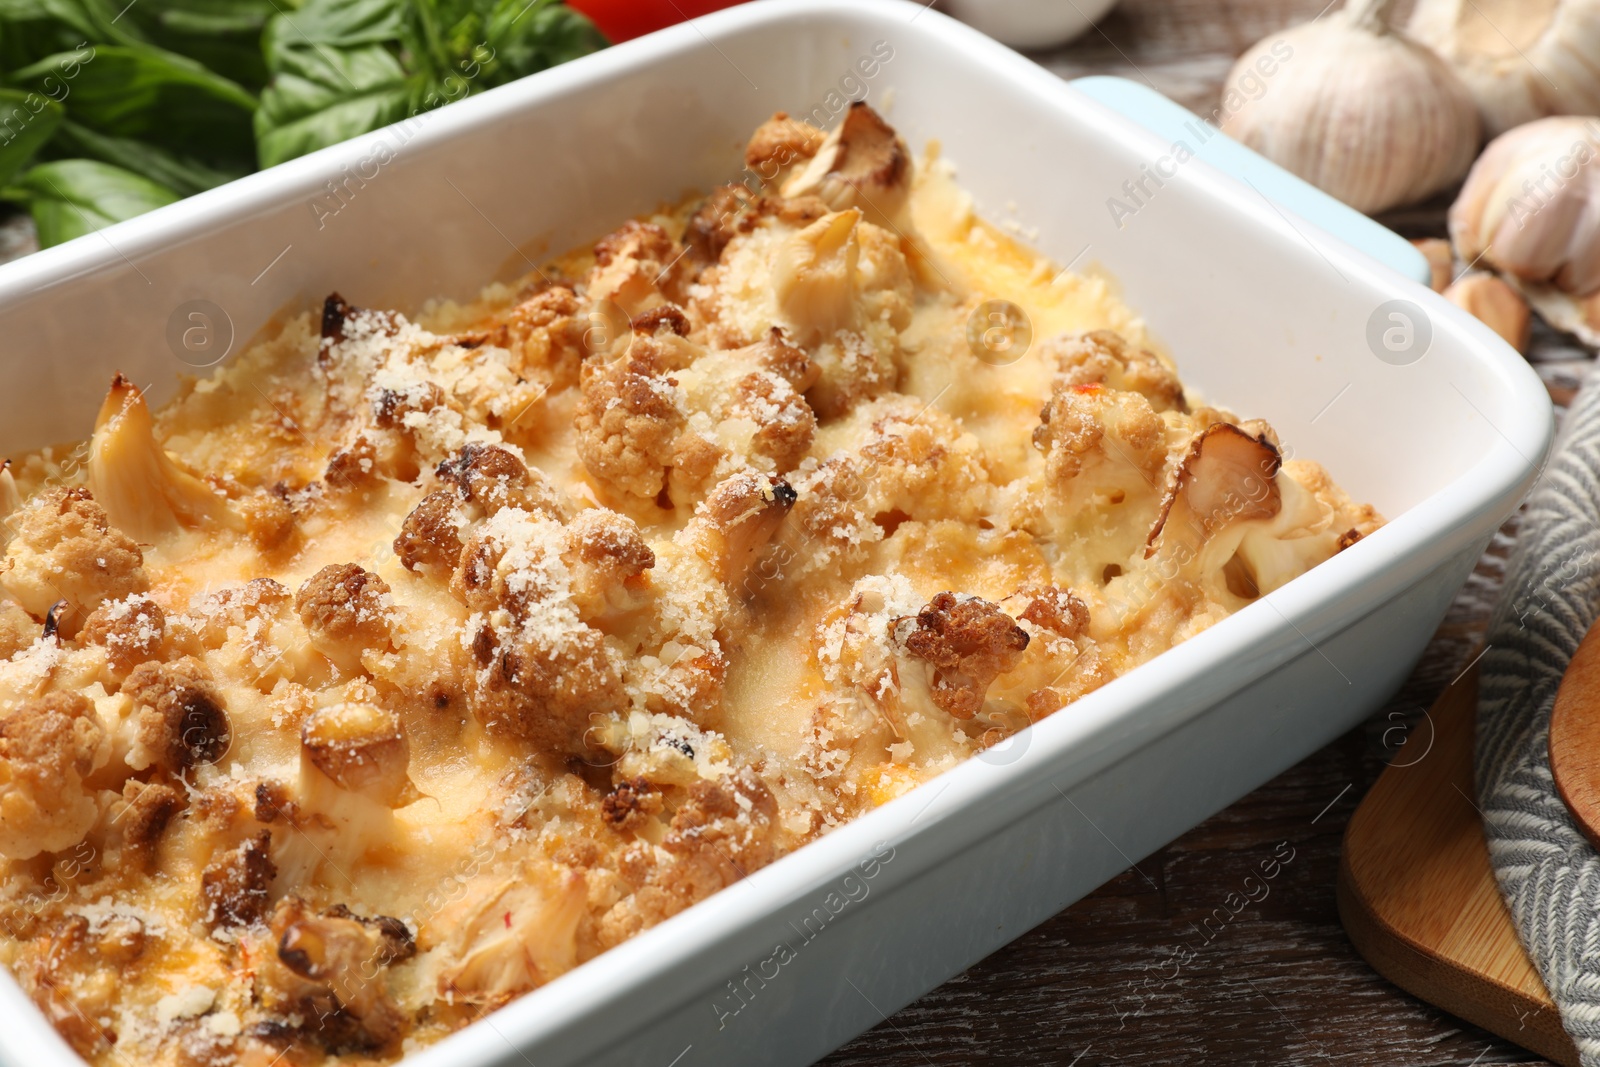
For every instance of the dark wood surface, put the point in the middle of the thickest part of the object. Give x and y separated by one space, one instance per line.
1281 984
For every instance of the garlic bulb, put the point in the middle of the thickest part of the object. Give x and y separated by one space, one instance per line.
1520 59
1358 111
1531 206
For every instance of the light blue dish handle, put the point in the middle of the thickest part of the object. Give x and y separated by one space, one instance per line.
1172 123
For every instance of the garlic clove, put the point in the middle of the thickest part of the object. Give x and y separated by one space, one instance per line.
1360 112
1495 304
1520 59
1441 261
1531 205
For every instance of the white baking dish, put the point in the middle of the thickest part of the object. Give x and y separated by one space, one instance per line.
1263 311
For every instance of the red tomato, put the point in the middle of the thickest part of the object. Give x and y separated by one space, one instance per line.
623 20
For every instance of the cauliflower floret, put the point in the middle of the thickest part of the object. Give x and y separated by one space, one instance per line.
48 748
130 630
543 333
347 612
180 720
493 478
65 548
236 885
780 142
629 422
637 267
325 973
17 628
1104 357
719 833
539 670
969 643
510 935
430 536
890 460
607 557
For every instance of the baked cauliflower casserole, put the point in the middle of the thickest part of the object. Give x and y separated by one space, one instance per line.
407 663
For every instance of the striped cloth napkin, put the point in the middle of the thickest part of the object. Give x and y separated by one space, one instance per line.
1548 871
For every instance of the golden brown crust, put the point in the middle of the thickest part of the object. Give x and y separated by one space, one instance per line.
429 535
150 807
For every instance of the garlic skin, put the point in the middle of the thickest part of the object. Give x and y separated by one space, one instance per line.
1531 206
1441 261
1362 113
1521 59
1495 304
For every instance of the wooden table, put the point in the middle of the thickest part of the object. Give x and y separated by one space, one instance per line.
1281 984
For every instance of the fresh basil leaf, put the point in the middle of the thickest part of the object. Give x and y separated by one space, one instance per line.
327 95
183 174
224 35
344 67
71 197
149 95
526 39
336 24
27 121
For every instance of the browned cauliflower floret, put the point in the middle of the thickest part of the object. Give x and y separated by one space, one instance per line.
17 628
968 643
719 832
362 748
391 406
130 630
538 670
326 972
430 536
236 886
862 163
1057 610
637 267
48 747
65 548
631 803
736 523
346 610
147 809
785 422
779 143
543 333
893 460
727 212
372 455
180 722
1115 431
628 423
606 556
494 478
1104 357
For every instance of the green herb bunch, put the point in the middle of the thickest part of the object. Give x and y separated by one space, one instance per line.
109 108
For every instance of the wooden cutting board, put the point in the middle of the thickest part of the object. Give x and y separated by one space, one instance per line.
1418 898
